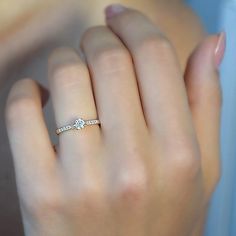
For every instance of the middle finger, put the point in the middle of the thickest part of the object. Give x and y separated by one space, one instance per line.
123 125
158 73
114 81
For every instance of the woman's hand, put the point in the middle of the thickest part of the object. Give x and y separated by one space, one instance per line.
152 165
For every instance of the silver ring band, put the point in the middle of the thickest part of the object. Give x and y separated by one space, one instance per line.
78 124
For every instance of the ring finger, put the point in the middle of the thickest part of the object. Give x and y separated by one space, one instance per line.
72 98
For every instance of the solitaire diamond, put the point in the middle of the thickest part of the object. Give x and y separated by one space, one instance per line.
79 124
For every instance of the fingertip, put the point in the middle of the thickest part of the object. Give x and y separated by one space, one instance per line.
202 57
202 74
114 10
208 55
22 87
28 87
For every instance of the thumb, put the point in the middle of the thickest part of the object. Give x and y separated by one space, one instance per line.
205 100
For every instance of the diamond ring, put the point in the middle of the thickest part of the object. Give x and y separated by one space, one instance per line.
78 124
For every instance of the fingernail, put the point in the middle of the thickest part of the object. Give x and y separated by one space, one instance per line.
220 49
113 10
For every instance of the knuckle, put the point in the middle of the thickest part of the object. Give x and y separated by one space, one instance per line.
131 19
107 54
155 43
112 59
128 18
186 160
132 188
66 67
69 74
91 32
187 165
132 193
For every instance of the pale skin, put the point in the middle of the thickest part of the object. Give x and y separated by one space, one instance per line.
152 165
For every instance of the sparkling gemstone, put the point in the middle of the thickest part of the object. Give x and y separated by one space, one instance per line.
79 124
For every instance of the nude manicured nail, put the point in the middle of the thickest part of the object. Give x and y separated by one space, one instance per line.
220 49
113 10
